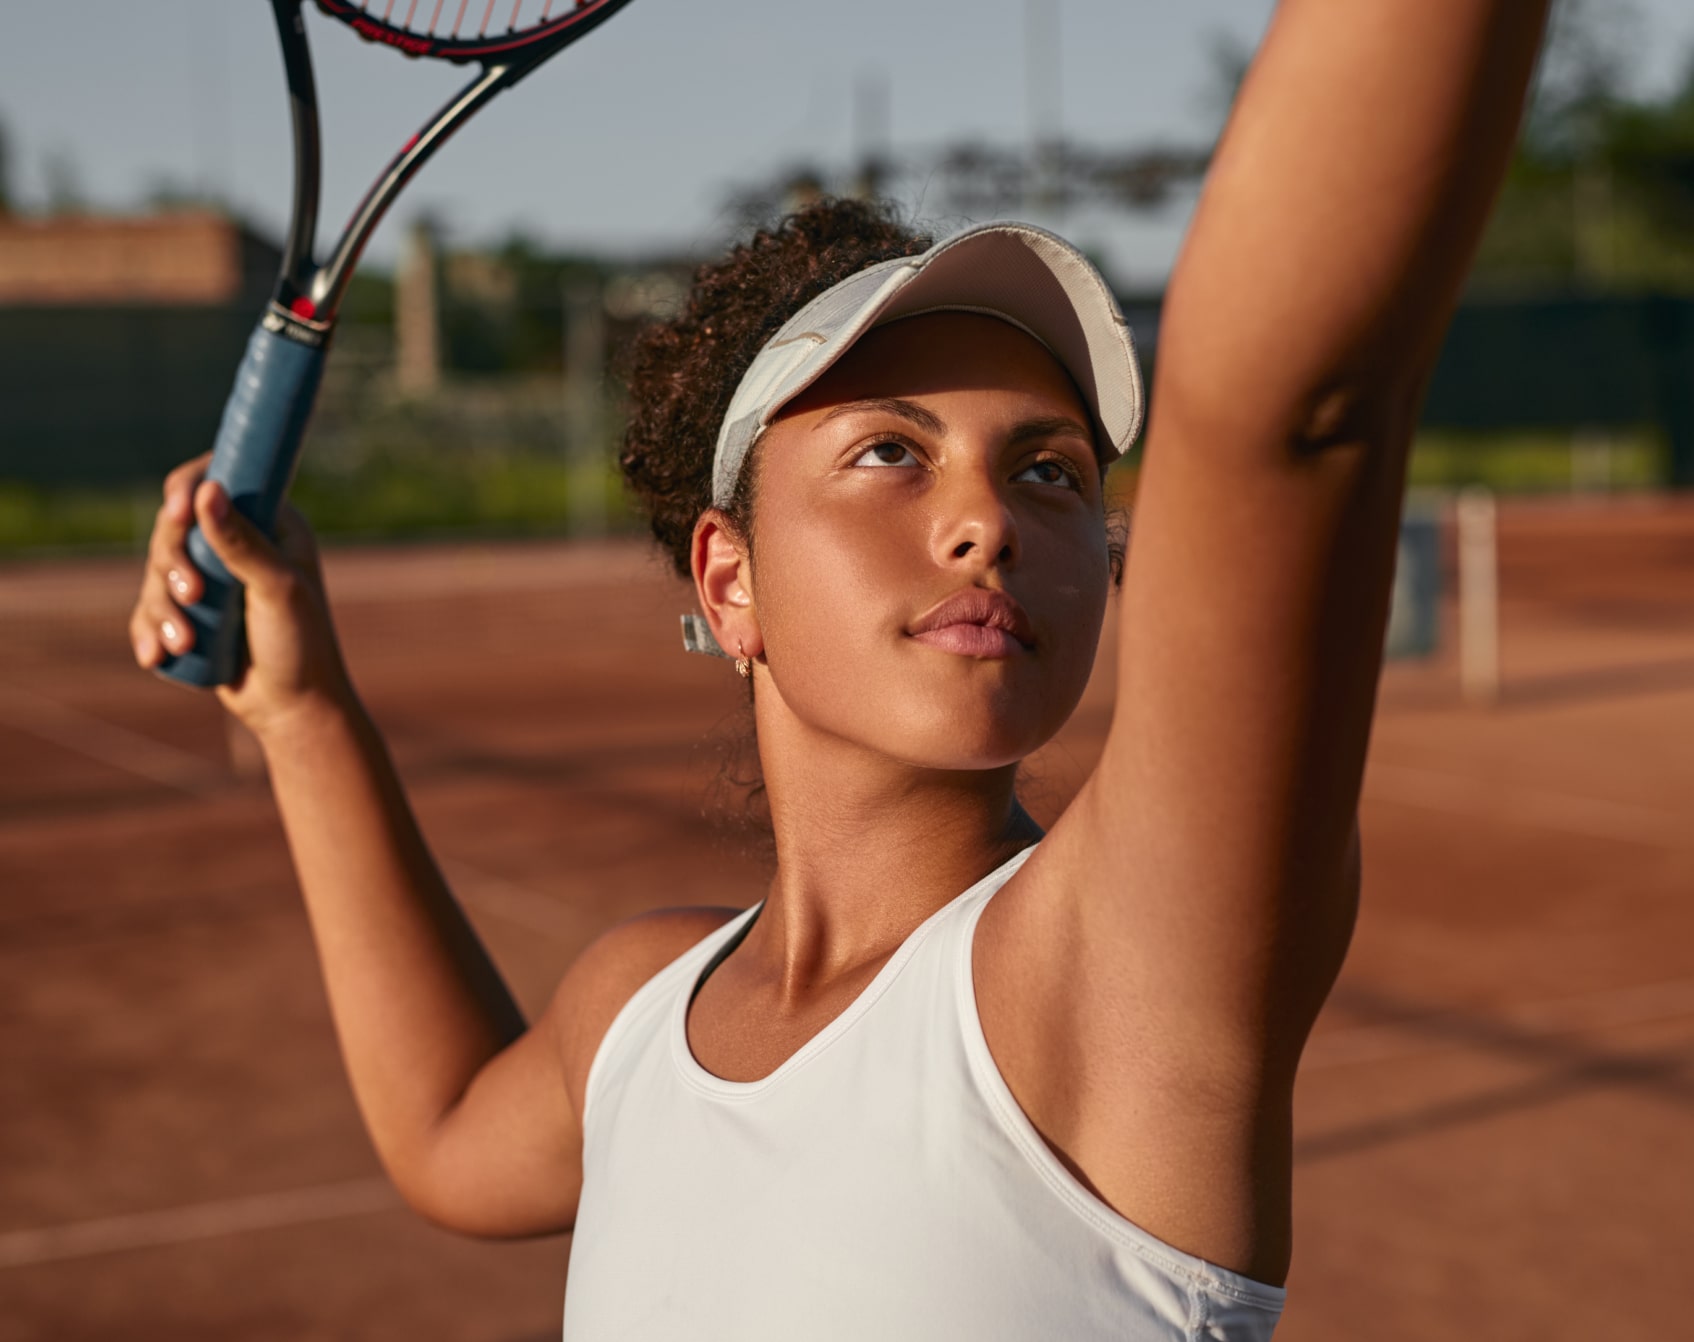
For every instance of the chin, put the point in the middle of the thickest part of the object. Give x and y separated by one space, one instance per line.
967 732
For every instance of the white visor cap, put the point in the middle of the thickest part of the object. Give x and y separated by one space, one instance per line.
1016 272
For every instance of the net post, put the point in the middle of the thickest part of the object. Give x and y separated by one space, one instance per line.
1479 596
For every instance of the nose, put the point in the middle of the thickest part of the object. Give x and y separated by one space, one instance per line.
974 525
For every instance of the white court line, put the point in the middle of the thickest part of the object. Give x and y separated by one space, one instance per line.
1612 1009
105 742
479 890
205 1220
157 762
1460 794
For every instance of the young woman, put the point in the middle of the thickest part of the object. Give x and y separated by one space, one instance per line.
951 1077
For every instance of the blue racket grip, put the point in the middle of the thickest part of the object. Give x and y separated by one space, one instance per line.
253 459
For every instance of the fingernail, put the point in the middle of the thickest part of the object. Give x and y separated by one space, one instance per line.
169 630
179 584
218 506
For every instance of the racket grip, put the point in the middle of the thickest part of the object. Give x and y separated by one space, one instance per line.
253 459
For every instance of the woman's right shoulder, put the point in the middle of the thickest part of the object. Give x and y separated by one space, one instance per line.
610 971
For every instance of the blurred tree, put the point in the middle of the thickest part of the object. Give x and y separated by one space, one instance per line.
1601 192
1649 151
1591 47
369 300
503 310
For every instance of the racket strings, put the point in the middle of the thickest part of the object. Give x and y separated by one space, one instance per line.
444 21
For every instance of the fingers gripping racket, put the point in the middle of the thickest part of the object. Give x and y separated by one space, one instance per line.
259 437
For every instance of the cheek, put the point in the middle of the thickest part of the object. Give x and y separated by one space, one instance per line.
828 591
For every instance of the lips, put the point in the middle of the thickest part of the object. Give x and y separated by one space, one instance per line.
975 622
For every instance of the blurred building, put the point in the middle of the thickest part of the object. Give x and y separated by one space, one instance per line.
194 257
119 338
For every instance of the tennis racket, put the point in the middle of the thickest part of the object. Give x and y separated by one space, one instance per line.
259 437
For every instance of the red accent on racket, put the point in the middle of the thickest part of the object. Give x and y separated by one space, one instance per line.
532 22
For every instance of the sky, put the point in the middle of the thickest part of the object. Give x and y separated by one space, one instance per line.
632 141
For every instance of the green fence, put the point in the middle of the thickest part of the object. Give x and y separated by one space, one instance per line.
1571 363
109 397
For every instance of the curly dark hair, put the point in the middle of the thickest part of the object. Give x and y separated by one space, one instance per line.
683 372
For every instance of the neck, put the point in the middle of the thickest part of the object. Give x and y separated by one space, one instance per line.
868 847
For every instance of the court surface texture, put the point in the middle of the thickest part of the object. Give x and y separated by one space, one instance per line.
1496 1114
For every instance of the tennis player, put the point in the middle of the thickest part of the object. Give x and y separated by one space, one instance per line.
951 1077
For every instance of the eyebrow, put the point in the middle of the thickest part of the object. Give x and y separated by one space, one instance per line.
1031 430
1054 426
909 411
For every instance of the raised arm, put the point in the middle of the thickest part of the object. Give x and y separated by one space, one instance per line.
1195 903
1302 320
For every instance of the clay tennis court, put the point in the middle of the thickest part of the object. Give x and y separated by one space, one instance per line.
1496 1118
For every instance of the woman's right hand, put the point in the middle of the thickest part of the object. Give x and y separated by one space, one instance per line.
294 665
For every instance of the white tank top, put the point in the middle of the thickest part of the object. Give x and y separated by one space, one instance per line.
881 1183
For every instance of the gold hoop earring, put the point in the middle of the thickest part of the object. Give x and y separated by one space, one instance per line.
743 663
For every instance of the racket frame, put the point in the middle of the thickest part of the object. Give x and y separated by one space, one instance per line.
307 296
548 36
264 420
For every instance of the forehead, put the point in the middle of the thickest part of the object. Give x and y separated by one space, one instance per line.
943 352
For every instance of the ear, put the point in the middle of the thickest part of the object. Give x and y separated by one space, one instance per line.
723 582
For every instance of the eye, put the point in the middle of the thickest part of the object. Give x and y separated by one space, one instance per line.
886 453
1051 471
